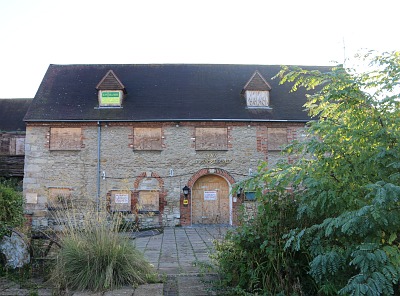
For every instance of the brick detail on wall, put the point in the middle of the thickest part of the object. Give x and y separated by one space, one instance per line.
262 139
185 210
203 172
292 135
162 194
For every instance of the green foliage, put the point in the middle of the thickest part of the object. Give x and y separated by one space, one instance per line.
252 258
11 209
95 256
345 180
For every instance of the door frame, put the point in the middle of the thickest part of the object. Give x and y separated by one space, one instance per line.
218 172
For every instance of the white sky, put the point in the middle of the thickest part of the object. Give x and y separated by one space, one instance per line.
36 33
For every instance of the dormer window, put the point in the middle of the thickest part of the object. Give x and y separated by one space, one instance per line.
111 91
256 98
110 98
256 92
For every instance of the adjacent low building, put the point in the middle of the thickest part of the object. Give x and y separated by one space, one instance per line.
12 137
131 137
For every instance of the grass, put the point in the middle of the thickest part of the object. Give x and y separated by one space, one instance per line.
94 255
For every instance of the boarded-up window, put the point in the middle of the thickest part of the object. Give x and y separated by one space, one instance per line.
211 139
257 98
65 138
12 145
120 200
4 145
19 146
148 201
277 138
147 139
59 198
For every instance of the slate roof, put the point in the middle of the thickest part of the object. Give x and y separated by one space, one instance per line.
164 92
257 82
12 112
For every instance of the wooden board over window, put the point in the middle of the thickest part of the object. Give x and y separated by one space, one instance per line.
277 138
65 138
4 145
149 201
120 200
59 198
12 145
19 146
147 138
211 139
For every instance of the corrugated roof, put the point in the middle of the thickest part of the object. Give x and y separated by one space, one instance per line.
165 92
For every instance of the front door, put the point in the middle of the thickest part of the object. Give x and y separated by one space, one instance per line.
210 201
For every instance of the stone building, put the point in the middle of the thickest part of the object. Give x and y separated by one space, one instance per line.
12 137
133 136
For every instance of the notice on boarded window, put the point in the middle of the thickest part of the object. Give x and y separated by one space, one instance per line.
211 139
210 195
120 201
121 198
110 98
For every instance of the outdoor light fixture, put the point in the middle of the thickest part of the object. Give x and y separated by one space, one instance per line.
239 192
186 191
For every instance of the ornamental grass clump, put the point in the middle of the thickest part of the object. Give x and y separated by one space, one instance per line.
95 256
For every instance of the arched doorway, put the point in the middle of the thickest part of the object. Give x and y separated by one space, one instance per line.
210 200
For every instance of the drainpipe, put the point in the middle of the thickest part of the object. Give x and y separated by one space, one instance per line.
98 166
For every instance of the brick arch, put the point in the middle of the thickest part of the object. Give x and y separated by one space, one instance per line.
162 193
143 175
204 172
185 210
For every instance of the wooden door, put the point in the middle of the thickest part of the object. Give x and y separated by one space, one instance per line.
210 201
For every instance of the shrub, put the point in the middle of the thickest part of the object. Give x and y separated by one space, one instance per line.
94 256
11 209
252 258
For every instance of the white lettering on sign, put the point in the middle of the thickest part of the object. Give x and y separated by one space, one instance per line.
121 198
210 195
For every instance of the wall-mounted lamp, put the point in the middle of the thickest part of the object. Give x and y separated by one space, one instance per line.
186 191
239 192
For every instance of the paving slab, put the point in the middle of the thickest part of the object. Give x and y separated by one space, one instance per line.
150 290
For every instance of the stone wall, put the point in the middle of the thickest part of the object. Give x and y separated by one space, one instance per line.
124 169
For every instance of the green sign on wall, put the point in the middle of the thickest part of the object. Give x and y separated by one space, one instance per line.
110 98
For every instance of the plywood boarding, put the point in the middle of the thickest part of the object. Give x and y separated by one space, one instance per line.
65 138
5 145
19 146
120 200
147 139
277 138
149 201
59 198
211 139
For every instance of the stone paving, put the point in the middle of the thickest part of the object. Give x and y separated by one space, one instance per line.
180 250
178 254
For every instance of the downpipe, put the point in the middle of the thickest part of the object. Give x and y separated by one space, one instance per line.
98 165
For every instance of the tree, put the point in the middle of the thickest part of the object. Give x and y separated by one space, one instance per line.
345 179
